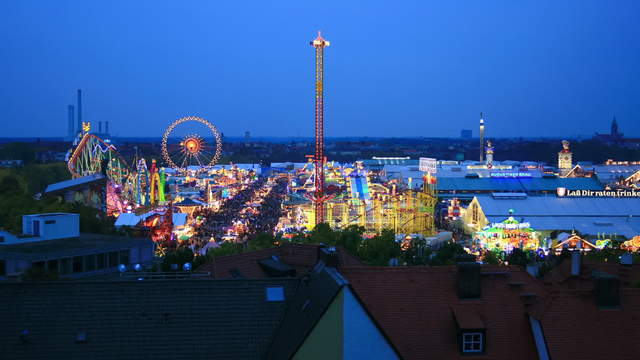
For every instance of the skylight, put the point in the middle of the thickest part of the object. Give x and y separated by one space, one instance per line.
275 293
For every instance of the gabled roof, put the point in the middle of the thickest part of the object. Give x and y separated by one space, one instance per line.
575 328
301 257
415 308
575 241
315 293
185 319
560 206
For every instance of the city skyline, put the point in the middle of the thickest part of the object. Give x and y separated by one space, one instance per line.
404 70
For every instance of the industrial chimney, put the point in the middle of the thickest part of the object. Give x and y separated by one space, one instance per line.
70 131
99 127
481 137
79 110
106 127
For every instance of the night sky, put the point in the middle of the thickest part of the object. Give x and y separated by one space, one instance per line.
394 68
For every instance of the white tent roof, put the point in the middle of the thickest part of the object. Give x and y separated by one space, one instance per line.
561 206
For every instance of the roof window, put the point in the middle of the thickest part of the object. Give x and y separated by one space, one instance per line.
275 293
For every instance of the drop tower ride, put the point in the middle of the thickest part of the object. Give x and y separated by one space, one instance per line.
319 197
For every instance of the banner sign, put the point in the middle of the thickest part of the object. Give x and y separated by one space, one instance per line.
511 174
619 193
428 165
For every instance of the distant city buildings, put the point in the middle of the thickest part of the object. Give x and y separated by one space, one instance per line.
466 134
614 136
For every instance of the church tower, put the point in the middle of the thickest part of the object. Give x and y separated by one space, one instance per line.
489 150
614 127
565 158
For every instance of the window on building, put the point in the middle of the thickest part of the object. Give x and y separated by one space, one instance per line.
102 261
77 264
3 268
65 266
52 265
36 228
48 222
90 262
124 257
113 259
472 342
275 293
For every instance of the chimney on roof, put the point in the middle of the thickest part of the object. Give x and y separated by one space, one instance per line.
606 289
576 262
328 255
468 280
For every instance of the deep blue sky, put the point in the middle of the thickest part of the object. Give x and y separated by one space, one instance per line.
394 68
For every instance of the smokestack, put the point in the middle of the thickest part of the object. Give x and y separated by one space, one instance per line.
481 137
100 127
70 130
79 110
106 127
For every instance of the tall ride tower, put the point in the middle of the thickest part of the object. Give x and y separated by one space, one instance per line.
481 137
319 198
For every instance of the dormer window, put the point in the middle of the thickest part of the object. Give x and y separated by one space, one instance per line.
472 342
471 330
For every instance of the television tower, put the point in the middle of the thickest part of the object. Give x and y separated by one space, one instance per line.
481 137
319 198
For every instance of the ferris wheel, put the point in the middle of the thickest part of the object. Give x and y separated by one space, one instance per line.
200 149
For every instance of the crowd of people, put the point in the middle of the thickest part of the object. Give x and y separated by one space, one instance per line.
254 209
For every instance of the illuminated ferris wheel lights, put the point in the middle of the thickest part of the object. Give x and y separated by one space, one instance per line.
192 149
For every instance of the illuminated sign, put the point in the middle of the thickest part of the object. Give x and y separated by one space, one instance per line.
510 226
428 165
493 166
619 193
510 174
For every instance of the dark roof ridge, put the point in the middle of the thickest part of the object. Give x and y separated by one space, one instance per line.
133 281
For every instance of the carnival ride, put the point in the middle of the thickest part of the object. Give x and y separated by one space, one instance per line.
508 235
319 197
192 149
357 200
127 187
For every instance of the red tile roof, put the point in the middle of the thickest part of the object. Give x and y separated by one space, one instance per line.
560 276
302 257
575 328
414 306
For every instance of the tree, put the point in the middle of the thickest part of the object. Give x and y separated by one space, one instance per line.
18 151
518 257
418 253
12 185
350 238
379 249
261 241
491 258
447 254
322 234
